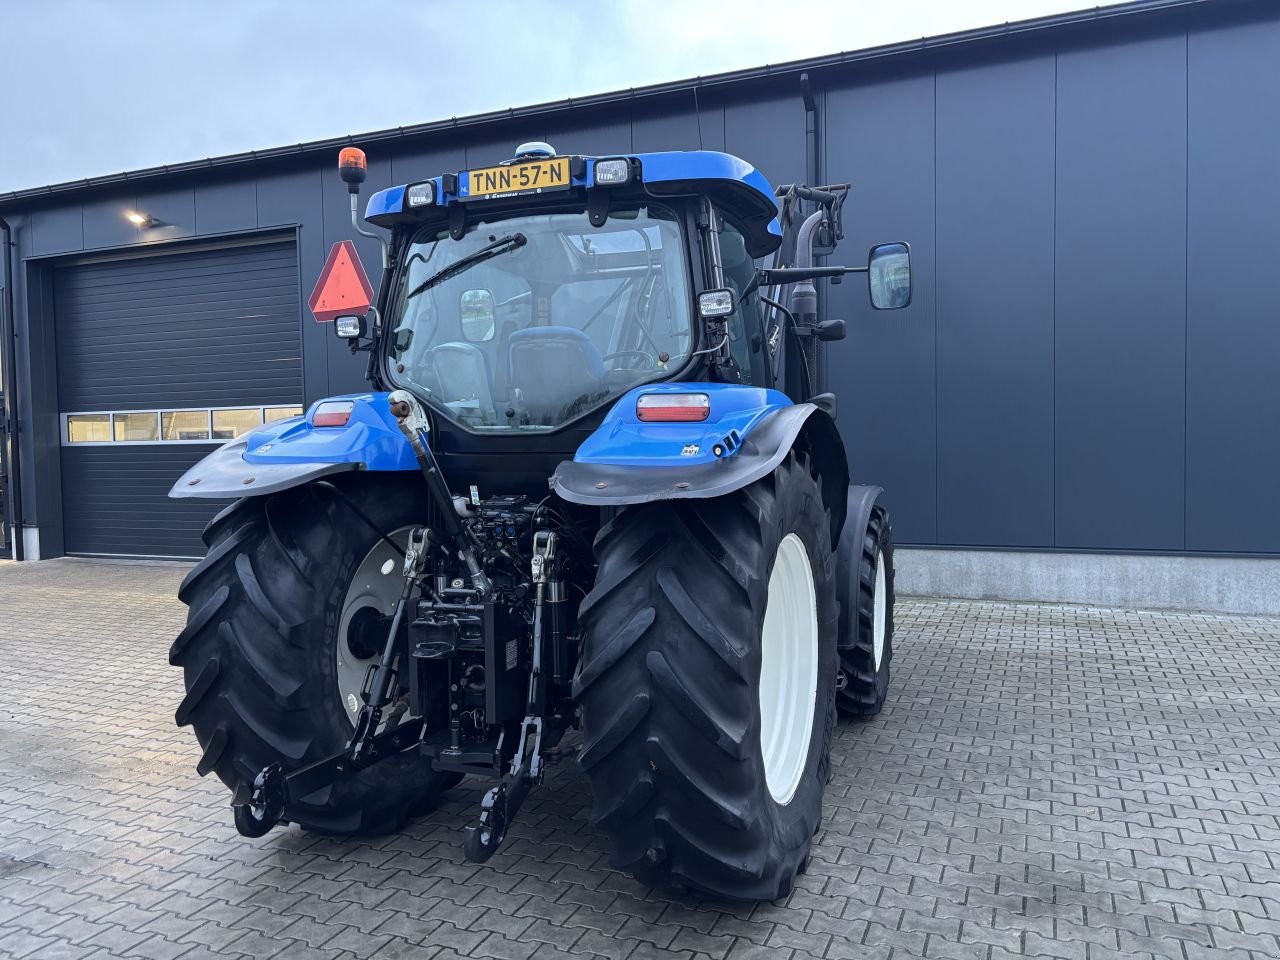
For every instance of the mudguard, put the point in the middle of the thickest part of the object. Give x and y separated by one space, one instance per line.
288 453
747 434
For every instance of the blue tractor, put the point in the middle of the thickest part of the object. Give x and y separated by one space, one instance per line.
594 506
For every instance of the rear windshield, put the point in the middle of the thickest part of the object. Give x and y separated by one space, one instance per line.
528 322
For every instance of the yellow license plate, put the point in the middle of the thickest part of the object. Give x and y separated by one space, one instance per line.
537 176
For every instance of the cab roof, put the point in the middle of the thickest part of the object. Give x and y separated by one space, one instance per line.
730 181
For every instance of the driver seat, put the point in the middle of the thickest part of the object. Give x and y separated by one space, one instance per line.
462 373
552 368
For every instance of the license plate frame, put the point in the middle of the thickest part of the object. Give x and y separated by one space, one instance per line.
517 179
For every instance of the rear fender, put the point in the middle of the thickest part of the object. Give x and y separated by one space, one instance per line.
288 453
749 431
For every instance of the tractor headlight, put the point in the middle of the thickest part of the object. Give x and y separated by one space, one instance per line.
421 194
613 173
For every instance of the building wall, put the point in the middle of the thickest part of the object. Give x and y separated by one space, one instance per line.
1088 363
1088 360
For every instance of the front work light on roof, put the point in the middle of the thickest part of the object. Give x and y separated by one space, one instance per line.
673 407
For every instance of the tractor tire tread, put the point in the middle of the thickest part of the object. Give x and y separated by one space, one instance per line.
864 692
247 652
676 783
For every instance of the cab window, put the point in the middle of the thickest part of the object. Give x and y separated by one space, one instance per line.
744 323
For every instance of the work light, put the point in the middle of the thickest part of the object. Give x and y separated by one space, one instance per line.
715 303
421 194
613 173
348 328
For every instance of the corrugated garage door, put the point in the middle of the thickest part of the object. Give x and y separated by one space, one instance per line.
160 359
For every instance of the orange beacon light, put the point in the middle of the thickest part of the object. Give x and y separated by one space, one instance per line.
353 167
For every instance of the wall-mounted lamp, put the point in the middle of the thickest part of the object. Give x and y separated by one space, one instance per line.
141 219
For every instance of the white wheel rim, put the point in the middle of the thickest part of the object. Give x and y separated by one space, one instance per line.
878 613
377 583
788 669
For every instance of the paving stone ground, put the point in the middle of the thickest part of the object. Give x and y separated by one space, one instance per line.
1045 781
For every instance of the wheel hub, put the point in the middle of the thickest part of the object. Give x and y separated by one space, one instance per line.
788 669
367 632
371 600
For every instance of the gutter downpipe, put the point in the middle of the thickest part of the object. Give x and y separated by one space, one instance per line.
9 348
813 176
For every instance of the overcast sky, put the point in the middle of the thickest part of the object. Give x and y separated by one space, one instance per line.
99 86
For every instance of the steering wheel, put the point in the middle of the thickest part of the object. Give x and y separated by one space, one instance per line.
641 354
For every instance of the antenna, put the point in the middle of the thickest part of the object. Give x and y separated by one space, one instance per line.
697 113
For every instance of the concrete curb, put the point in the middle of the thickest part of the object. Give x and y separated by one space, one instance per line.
1213 584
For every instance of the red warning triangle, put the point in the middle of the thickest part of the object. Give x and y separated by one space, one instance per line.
343 289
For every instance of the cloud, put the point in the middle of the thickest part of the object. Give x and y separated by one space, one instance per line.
94 87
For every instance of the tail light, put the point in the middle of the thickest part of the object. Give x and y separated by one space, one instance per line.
332 413
673 407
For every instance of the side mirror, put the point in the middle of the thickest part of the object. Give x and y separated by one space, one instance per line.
889 275
400 342
475 310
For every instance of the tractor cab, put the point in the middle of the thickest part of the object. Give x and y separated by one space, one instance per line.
532 294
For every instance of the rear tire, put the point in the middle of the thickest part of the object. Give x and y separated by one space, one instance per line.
866 617
259 650
690 777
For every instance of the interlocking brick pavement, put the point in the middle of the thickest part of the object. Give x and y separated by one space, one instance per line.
1045 781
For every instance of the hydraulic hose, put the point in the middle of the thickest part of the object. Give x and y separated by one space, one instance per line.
412 420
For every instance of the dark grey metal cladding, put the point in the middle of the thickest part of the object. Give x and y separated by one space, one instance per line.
225 206
1233 333
296 197
683 129
209 328
769 134
115 501
55 230
881 137
1120 357
995 155
597 136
